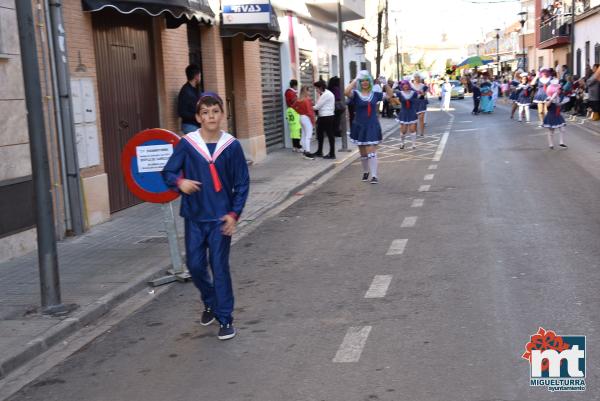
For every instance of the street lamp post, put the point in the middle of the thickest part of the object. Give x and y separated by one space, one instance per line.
522 18
498 48
340 35
397 51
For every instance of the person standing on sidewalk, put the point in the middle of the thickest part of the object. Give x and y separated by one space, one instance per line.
304 107
326 120
593 86
446 94
291 93
215 190
188 98
365 130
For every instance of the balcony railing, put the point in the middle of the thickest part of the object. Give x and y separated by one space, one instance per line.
558 26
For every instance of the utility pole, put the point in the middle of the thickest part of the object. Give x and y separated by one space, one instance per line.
397 56
340 34
46 239
378 56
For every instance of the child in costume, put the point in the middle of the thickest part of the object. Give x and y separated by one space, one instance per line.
409 100
209 168
524 99
476 96
364 96
541 80
293 119
421 89
553 119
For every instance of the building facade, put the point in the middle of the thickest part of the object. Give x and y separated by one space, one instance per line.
126 65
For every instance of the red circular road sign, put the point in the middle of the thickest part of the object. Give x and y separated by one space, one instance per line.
142 161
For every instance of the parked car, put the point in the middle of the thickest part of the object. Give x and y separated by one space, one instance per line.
458 90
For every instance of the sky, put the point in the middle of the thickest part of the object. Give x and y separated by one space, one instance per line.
464 21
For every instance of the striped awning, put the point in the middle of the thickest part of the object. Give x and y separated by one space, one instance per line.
176 12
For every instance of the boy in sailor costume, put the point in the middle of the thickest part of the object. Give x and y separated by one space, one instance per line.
209 168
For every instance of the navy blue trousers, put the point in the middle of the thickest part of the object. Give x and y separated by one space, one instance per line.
204 245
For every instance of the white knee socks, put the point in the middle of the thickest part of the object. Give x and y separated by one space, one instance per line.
550 135
526 110
372 159
364 160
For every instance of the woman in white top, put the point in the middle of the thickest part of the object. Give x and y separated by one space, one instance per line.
326 120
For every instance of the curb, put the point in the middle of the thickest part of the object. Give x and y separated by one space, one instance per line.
92 312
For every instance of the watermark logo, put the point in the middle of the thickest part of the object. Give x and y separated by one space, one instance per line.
556 362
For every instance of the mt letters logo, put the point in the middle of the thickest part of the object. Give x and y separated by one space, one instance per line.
557 362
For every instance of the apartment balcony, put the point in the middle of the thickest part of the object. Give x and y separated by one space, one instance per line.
326 10
555 32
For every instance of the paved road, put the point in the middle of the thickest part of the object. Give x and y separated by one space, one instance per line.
425 287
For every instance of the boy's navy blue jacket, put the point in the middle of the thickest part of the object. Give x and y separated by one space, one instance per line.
476 91
192 158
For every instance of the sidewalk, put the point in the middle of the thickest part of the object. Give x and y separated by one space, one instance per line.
115 260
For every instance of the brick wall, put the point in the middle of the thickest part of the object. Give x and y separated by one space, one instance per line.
213 67
175 57
82 61
248 88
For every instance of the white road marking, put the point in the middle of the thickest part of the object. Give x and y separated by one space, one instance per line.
433 167
352 345
440 150
465 121
409 222
424 188
429 177
417 203
465 130
379 286
397 247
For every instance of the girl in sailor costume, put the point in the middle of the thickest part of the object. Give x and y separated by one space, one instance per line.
524 97
421 89
514 94
209 168
541 80
553 119
409 101
365 131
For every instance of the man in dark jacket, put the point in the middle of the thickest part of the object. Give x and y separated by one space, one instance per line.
188 98
476 96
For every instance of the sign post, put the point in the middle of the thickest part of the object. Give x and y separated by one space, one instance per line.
142 162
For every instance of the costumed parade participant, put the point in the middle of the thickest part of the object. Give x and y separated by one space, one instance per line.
495 89
553 118
487 104
514 94
209 168
364 96
541 80
524 97
422 90
446 95
409 100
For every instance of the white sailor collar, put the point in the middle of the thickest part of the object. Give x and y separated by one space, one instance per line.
197 142
410 94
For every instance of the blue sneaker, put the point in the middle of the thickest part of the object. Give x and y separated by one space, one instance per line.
207 317
226 331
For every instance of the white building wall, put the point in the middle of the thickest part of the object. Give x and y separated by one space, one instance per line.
587 30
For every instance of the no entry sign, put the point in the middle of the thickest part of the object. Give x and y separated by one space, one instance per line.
142 161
